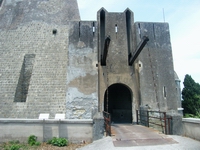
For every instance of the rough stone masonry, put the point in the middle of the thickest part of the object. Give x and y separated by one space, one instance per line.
51 62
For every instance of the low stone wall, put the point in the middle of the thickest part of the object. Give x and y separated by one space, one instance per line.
20 129
191 128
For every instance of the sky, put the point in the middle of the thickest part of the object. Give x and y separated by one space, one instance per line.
183 17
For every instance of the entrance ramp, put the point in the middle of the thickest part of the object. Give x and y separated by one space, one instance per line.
127 135
136 137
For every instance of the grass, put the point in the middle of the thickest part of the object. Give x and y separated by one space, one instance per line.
16 145
191 116
33 144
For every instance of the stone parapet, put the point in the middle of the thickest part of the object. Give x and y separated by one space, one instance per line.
21 129
191 128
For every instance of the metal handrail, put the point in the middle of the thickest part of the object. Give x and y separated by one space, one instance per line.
162 117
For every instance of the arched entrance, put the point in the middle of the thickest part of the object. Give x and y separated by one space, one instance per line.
118 103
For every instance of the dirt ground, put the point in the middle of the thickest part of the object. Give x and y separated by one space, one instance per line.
45 146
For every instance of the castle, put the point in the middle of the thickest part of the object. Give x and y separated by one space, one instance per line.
53 62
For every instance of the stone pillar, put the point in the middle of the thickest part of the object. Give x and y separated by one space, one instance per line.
98 126
176 127
143 115
179 102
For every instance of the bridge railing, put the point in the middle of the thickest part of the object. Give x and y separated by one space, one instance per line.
154 119
107 123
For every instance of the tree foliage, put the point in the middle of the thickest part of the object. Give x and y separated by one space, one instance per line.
191 96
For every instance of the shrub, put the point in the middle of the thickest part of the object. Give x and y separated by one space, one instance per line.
32 140
60 142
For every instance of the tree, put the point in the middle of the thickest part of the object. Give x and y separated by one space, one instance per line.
191 96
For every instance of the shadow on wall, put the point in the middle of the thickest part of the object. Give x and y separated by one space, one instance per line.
24 78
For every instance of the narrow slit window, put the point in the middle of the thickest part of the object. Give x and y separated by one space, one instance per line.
164 92
154 36
139 31
79 33
128 30
102 34
116 29
93 27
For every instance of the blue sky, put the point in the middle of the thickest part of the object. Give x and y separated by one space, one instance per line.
183 17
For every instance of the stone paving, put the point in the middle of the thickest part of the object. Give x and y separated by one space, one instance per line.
134 137
129 135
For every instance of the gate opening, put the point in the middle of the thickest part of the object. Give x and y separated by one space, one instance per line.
118 102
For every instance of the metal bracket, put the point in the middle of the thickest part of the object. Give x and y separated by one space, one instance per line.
105 51
134 55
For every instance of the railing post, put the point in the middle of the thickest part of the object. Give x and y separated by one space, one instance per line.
165 122
147 118
43 127
109 125
137 116
169 124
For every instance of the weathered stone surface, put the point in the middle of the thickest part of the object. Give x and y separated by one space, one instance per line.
98 126
191 128
156 74
18 12
82 75
176 124
21 129
117 69
47 89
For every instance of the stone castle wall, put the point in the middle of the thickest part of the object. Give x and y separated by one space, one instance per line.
47 88
51 61
16 12
38 28
155 67
82 72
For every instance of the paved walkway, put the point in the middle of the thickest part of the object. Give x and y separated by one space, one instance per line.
129 135
136 137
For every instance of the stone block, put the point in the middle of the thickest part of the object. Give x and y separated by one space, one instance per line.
98 126
176 126
44 116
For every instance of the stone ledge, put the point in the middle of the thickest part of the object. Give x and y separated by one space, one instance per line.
191 120
69 121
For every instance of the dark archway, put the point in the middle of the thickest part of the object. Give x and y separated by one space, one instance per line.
118 102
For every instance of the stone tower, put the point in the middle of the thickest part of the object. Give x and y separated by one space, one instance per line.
34 55
52 62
